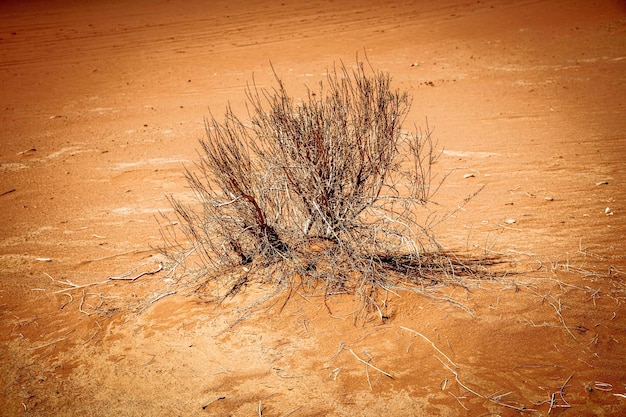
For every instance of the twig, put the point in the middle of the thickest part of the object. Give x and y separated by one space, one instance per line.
47 344
26 151
155 300
437 298
443 384
132 252
308 301
509 228
92 336
162 295
459 401
73 286
290 412
80 307
432 344
456 377
369 364
603 386
124 278
521 253
204 407
487 397
558 312
76 287
367 374
334 373
71 299
561 394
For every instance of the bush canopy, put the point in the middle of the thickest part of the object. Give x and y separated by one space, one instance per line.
325 189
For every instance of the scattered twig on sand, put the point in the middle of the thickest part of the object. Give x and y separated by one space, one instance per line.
456 377
529 254
342 346
154 300
494 399
47 344
70 300
92 336
443 384
132 252
387 374
290 412
334 374
251 307
537 366
509 227
450 300
602 386
124 277
367 374
432 344
25 151
558 313
73 286
204 407
558 306
458 399
561 394
82 302
8 192
308 301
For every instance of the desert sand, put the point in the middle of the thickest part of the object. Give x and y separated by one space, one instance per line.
102 105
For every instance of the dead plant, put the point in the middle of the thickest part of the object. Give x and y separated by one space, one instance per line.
329 190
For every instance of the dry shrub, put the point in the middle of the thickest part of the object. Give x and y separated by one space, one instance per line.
328 190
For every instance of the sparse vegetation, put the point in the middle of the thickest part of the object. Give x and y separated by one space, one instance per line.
327 190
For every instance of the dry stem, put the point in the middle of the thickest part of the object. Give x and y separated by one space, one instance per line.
328 189
387 374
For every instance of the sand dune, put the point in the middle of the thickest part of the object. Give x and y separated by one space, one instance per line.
102 105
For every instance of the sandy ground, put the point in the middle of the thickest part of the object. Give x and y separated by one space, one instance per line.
101 106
